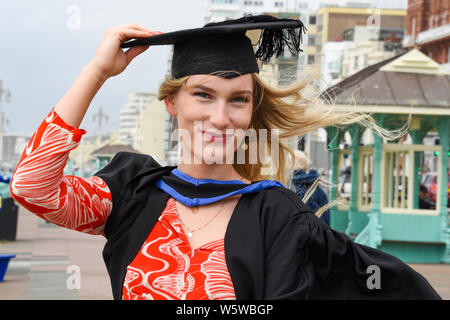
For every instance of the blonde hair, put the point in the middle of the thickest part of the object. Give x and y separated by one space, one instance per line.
287 109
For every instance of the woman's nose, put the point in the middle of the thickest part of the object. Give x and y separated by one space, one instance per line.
219 116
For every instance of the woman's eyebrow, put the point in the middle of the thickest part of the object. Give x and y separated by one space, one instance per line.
201 87
243 92
208 89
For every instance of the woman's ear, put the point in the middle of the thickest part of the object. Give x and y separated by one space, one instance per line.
170 105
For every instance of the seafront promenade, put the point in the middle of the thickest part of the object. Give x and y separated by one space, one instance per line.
49 259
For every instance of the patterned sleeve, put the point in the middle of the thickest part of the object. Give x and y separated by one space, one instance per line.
39 183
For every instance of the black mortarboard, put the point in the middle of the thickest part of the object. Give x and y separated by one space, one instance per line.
224 47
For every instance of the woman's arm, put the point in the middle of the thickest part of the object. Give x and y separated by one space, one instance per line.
40 186
108 61
38 182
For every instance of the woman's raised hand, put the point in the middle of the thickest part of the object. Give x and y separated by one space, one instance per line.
109 59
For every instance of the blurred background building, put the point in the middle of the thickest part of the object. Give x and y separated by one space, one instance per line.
428 29
129 116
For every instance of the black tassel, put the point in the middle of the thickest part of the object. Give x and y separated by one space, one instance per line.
272 41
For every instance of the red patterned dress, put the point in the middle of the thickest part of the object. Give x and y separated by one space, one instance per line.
165 268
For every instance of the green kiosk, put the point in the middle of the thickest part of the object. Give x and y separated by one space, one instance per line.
394 194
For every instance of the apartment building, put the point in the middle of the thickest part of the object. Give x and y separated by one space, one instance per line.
129 115
332 22
428 29
150 131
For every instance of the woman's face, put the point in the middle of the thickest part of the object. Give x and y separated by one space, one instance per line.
213 114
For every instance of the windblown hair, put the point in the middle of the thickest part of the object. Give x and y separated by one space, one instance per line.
289 110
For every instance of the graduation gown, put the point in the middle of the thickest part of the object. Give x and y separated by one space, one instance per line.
275 247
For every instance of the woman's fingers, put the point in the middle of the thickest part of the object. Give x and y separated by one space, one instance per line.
136 26
127 33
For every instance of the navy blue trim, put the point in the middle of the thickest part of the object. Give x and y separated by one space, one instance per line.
191 202
198 182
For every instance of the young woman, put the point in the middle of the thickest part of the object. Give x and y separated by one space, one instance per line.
208 228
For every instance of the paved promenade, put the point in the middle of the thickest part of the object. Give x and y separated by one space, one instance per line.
45 253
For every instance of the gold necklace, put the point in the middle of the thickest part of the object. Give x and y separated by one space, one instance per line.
191 231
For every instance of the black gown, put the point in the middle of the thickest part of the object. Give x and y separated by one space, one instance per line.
275 247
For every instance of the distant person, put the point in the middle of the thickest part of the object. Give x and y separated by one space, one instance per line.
424 202
303 180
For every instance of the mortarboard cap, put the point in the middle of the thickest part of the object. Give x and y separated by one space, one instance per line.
223 47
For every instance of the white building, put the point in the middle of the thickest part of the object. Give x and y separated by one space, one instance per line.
332 57
361 48
220 10
369 47
151 130
170 140
12 147
129 116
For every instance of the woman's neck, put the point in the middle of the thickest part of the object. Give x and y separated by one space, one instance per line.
216 172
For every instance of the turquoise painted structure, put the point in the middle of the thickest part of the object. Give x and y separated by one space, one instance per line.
414 237
392 221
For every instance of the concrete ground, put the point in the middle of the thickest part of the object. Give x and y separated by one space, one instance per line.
49 259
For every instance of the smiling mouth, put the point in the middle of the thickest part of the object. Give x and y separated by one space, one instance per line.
215 137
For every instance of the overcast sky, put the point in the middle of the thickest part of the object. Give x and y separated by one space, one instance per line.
43 49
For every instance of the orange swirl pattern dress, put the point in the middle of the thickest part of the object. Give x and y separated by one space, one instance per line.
39 183
165 268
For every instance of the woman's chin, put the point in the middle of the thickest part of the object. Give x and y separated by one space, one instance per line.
216 154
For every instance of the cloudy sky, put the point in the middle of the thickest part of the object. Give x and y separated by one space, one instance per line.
45 44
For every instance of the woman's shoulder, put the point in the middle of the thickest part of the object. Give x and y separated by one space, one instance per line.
127 164
283 196
279 203
124 159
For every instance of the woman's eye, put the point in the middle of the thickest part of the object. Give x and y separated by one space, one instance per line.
203 95
241 99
